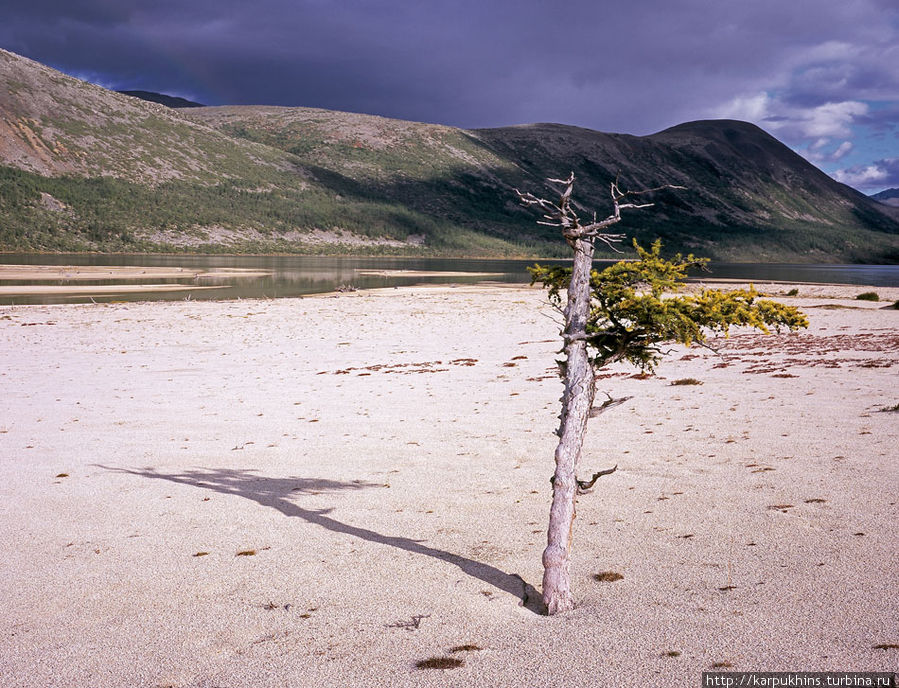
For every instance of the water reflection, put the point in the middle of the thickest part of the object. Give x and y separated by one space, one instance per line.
231 277
191 276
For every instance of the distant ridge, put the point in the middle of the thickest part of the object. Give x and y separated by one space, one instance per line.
87 169
163 99
888 197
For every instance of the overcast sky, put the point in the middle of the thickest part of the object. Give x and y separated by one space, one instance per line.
820 75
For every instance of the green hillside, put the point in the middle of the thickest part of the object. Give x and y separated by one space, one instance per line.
83 168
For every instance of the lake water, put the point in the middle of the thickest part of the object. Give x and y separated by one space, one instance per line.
298 275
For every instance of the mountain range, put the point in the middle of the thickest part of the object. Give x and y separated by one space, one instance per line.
83 168
162 99
888 196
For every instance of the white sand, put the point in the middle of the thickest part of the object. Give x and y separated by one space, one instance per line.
387 455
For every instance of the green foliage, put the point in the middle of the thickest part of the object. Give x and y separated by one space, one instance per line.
868 296
456 176
253 178
635 308
109 214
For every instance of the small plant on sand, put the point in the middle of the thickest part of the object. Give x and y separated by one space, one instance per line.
793 292
607 576
628 312
868 296
686 381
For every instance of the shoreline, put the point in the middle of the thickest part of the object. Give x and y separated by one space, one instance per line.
87 273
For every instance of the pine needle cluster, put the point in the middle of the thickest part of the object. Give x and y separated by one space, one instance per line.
637 308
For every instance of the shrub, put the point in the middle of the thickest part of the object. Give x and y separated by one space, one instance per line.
868 296
607 576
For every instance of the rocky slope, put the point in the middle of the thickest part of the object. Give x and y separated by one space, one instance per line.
84 168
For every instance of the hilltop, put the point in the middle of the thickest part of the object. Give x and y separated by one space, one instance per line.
888 196
162 99
84 168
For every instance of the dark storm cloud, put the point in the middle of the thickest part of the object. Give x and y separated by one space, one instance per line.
864 74
799 68
883 119
630 67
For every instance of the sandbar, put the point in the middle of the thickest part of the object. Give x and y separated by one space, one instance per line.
331 490
65 275
96 290
425 273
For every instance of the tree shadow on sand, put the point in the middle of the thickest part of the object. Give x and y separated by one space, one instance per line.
276 493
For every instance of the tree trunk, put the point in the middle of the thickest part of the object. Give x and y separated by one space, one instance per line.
577 400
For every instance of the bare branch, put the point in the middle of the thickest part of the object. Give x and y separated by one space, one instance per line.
563 213
607 404
624 194
558 310
656 188
410 625
584 485
610 240
705 345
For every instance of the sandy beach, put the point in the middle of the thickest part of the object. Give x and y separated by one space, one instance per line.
327 491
